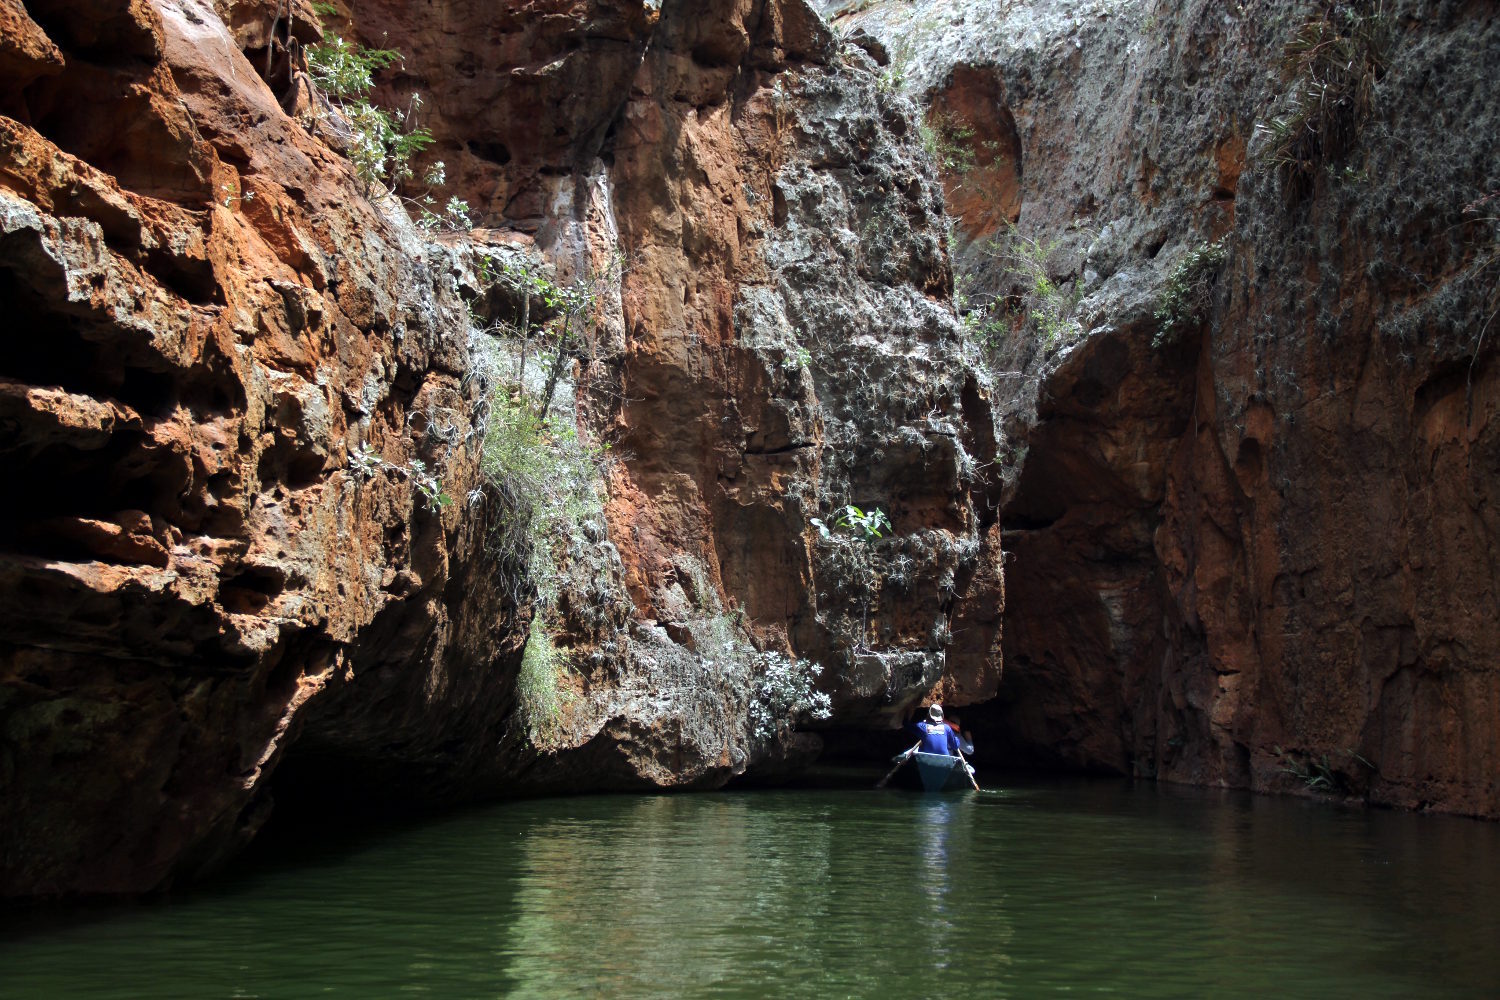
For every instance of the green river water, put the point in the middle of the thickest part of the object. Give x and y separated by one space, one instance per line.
1029 889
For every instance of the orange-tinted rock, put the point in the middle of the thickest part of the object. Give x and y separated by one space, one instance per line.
767 201
519 95
25 50
205 319
222 566
973 129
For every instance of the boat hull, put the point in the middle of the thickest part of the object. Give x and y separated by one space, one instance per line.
939 771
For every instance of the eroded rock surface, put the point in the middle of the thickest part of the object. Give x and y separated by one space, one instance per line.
781 345
1260 549
206 319
234 381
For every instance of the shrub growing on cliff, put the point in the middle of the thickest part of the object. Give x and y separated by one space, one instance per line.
549 486
857 523
538 686
567 306
1334 62
1320 774
949 141
785 695
380 143
428 486
849 539
546 480
1184 300
1043 300
983 319
574 303
365 463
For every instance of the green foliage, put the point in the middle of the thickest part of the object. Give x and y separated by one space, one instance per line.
453 216
231 197
1319 774
429 487
539 686
573 302
850 550
380 143
1044 303
796 360
568 305
890 80
855 523
949 141
549 485
1184 301
528 279
365 464
545 481
1334 61
981 319
346 71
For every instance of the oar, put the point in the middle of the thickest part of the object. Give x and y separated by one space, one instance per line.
966 770
900 759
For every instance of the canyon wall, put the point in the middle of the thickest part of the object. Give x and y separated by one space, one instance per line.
206 320
1221 392
252 532
1247 510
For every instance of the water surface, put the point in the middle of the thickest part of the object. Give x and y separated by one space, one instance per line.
1031 889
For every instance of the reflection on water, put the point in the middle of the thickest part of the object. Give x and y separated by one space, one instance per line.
1029 890
721 895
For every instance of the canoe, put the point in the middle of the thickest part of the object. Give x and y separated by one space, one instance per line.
939 771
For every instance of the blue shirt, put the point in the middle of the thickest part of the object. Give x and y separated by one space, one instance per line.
936 737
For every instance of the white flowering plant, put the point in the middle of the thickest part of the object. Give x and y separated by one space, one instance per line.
785 694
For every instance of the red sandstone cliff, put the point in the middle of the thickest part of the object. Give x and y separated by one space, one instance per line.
1251 550
229 373
205 320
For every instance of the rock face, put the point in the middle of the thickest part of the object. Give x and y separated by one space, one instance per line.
235 385
1232 423
206 320
1252 547
780 344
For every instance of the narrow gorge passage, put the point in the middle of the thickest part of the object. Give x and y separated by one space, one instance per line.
1235 272
460 404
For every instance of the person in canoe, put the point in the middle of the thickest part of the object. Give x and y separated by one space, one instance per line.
965 740
936 752
938 739
936 735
